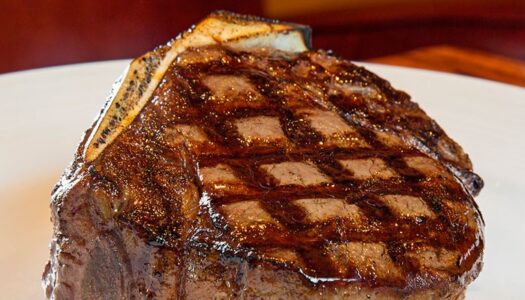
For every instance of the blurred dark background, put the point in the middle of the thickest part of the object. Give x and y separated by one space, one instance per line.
52 32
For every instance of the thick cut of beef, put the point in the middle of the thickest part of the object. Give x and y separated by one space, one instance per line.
236 163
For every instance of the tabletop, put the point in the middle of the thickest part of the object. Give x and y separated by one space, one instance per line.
461 61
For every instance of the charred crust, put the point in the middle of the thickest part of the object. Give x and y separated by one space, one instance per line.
148 189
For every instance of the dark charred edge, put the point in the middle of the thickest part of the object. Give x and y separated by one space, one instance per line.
469 179
473 182
305 30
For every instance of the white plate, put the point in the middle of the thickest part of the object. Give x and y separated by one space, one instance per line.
44 112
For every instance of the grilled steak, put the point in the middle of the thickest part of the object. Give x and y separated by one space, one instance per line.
234 162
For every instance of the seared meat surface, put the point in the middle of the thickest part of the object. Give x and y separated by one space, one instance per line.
273 175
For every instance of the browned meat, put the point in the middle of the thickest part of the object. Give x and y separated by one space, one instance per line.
265 174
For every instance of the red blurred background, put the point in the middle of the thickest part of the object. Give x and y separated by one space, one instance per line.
52 32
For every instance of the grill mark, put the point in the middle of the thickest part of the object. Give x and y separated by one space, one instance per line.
296 235
302 135
317 261
286 212
330 167
410 174
252 175
381 226
274 208
298 154
432 200
371 139
353 193
296 130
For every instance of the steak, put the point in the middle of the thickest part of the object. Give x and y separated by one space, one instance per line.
237 163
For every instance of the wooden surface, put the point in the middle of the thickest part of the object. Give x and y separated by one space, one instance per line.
461 61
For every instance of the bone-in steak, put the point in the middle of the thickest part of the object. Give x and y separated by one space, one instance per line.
236 163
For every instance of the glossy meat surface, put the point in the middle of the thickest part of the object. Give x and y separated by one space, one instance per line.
247 164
